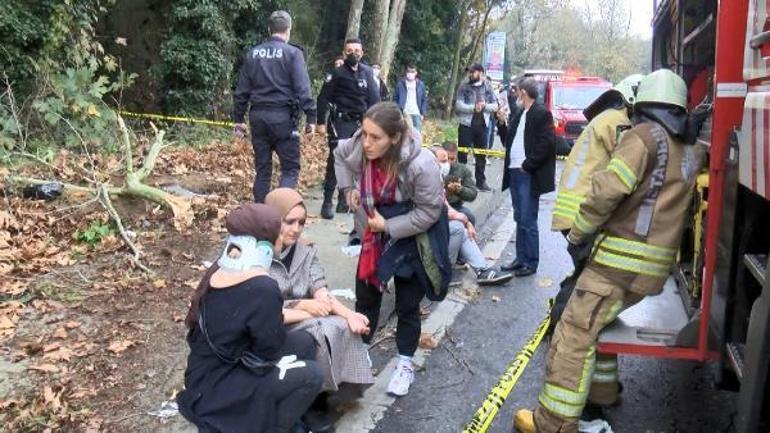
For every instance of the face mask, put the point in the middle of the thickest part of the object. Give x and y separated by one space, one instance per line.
411 76
253 254
376 72
444 168
351 60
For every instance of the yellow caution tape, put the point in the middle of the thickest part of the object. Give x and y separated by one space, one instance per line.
483 417
227 124
163 117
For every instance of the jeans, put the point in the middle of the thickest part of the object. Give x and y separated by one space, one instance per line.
274 131
416 122
408 296
525 207
463 246
475 137
467 212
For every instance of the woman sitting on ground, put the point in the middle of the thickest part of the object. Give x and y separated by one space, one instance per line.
245 372
309 306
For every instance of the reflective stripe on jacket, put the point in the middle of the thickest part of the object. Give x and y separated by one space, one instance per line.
591 152
639 202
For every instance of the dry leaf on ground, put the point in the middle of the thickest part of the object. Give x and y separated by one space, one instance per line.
427 341
119 346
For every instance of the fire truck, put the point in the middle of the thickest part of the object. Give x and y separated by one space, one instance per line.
716 306
566 95
566 99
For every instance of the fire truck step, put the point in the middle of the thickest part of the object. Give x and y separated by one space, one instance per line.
756 263
655 321
735 354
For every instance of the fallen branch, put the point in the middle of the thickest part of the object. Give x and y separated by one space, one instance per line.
104 199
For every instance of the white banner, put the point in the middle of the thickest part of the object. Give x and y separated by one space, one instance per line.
494 55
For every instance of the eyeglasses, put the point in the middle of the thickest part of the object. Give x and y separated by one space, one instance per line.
292 221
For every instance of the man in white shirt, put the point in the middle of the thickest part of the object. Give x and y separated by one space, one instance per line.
412 96
530 162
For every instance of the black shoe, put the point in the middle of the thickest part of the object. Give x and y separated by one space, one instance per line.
488 277
326 210
513 266
524 271
318 421
483 187
592 411
342 207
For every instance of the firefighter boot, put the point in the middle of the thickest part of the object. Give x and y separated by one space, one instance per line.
524 422
342 203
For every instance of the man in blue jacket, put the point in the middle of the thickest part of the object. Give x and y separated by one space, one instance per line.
412 96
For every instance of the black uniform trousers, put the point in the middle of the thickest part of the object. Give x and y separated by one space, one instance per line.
408 296
274 130
339 129
475 136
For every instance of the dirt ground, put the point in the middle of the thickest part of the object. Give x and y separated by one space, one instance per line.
86 336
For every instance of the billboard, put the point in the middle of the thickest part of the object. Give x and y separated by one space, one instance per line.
494 55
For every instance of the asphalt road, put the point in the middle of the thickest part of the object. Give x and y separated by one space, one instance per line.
659 396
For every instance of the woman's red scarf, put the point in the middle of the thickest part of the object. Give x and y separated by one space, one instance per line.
378 187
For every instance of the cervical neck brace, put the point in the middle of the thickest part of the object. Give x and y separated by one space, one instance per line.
254 254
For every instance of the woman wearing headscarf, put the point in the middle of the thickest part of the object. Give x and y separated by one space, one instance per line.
309 306
394 186
245 372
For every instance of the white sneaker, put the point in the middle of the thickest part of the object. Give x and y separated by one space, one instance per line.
402 378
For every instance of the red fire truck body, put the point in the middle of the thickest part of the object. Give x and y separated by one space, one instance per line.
717 304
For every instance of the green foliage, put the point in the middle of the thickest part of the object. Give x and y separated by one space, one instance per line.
94 234
65 78
206 40
426 41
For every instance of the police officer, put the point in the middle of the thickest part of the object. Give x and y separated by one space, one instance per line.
274 79
637 205
347 93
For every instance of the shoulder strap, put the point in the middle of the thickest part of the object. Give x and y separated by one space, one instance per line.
247 358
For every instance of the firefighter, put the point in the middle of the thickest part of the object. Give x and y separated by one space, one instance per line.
608 116
638 206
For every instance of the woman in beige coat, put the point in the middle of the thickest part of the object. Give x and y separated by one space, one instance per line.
309 306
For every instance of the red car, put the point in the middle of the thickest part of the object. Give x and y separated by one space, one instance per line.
566 98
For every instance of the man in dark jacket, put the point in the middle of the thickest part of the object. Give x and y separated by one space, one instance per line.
530 162
412 96
383 86
274 81
459 184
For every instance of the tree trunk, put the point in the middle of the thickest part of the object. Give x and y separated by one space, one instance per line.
453 78
391 36
354 18
479 36
379 29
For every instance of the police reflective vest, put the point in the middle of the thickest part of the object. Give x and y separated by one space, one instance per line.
639 202
591 152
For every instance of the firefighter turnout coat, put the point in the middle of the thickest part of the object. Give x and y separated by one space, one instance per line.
639 203
591 152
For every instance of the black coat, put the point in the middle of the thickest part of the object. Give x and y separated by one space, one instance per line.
539 149
229 397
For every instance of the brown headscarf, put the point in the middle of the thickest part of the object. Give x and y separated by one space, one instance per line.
252 219
284 199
